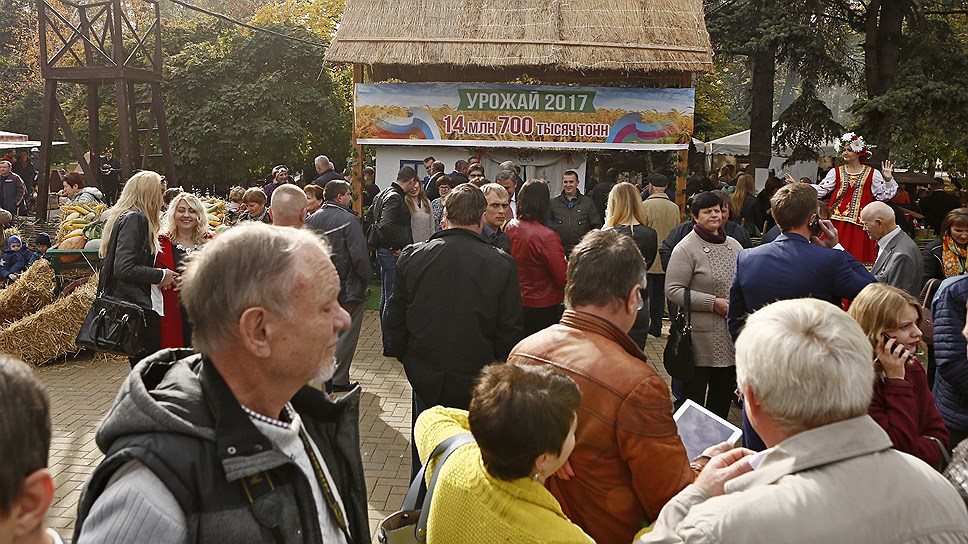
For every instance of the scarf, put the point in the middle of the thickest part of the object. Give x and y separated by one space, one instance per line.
707 236
952 258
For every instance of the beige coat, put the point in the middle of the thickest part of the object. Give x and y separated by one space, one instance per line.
707 271
837 483
661 215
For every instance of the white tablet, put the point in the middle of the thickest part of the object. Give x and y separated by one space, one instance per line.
699 428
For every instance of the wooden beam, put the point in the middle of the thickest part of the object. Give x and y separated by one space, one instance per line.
357 149
101 74
682 168
46 138
133 125
158 105
75 145
124 128
93 119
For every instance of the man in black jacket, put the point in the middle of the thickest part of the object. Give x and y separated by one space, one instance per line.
456 306
339 225
391 220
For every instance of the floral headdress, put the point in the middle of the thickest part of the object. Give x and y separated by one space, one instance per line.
855 143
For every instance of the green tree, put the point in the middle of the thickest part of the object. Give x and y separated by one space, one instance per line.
240 102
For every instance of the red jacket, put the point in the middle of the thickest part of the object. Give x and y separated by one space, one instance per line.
540 258
171 322
906 410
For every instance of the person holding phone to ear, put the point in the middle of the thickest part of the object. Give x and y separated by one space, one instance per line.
902 403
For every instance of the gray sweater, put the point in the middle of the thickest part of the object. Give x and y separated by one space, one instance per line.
707 271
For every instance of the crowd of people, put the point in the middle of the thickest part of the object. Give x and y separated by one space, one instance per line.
520 319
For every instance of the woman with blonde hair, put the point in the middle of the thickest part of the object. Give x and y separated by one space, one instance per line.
421 216
184 229
902 403
130 245
625 214
745 205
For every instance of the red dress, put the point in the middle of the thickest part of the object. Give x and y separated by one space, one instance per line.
849 196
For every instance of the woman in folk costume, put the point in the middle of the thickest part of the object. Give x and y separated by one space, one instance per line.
852 186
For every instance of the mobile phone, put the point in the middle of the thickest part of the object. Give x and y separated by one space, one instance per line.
815 226
885 336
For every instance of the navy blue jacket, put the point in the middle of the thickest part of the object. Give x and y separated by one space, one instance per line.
951 383
791 267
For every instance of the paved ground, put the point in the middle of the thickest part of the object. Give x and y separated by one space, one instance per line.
82 391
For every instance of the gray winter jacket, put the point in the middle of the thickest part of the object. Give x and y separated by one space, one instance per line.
176 416
349 254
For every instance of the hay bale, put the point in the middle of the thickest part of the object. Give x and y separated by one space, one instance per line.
50 333
31 292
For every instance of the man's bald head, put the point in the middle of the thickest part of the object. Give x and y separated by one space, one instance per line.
288 206
878 219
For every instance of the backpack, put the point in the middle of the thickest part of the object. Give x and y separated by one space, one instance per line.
371 221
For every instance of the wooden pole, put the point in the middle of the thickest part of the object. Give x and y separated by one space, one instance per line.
682 168
46 137
357 148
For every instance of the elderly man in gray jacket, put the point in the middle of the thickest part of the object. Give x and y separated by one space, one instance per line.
340 226
899 261
830 474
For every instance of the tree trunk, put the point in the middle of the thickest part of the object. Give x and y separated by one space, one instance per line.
761 107
882 49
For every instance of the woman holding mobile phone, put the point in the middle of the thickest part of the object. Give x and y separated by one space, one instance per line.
902 403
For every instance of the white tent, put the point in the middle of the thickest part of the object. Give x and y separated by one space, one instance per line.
739 144
14 140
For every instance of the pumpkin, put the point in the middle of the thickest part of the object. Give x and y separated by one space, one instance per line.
76 242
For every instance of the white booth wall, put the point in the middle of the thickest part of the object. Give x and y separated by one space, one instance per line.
549 164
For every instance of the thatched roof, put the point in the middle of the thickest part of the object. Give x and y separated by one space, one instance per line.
501 40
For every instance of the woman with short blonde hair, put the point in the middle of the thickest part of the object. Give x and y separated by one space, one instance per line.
132 226
902 403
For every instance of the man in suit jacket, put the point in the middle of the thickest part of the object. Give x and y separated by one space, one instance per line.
798 264
899 262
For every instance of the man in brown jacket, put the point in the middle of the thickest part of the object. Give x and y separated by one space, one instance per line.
628 460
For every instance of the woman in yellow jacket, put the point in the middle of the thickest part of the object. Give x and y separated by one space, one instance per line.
523 419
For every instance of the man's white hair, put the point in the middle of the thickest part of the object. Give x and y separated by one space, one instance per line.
807 363
322 161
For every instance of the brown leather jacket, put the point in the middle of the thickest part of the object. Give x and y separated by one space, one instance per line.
628 458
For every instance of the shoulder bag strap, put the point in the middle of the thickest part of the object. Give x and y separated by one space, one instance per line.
455 442
107 272
418 486
688 309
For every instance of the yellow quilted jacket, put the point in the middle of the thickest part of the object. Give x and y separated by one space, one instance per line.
470 506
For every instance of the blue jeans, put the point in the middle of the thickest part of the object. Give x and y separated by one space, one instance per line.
656 288
388 270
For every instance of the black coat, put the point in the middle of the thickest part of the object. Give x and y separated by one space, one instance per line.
455 307
133 263
393 218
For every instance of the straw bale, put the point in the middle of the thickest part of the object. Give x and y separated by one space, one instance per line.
50 333
429 40
31 292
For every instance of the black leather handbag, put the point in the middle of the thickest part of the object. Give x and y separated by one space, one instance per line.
678 357
113 325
